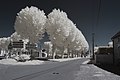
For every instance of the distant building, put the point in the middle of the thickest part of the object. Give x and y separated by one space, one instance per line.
48 47
104 55
30 46
22 44
116 48
19 47
16 44
23 47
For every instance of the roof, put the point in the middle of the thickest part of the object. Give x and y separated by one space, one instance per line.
105 47
116 35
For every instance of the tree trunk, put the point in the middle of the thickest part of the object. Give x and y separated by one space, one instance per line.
63 52
53 51
9 54
77 54
72 54
68 53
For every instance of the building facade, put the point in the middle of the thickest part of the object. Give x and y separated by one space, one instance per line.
104 55
21 47
116 48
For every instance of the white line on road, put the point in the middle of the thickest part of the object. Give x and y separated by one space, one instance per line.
85 62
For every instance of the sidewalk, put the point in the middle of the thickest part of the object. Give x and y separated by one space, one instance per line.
108 67
92 72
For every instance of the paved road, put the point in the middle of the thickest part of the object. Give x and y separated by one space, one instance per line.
70 70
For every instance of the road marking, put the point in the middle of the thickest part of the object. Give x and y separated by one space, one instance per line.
99 75
98 72
85 62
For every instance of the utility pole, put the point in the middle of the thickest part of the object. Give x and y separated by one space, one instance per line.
93 34
93 56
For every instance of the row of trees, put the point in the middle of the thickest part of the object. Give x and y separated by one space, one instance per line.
31 23
63 33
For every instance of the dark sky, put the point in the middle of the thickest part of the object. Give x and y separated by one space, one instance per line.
82 12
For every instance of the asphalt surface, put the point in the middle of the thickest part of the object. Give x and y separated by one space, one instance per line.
69 70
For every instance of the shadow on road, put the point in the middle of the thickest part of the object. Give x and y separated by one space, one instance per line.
110 68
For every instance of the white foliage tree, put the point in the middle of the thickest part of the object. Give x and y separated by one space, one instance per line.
4 42
58 27
63 32
79 44
15 37
30 23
